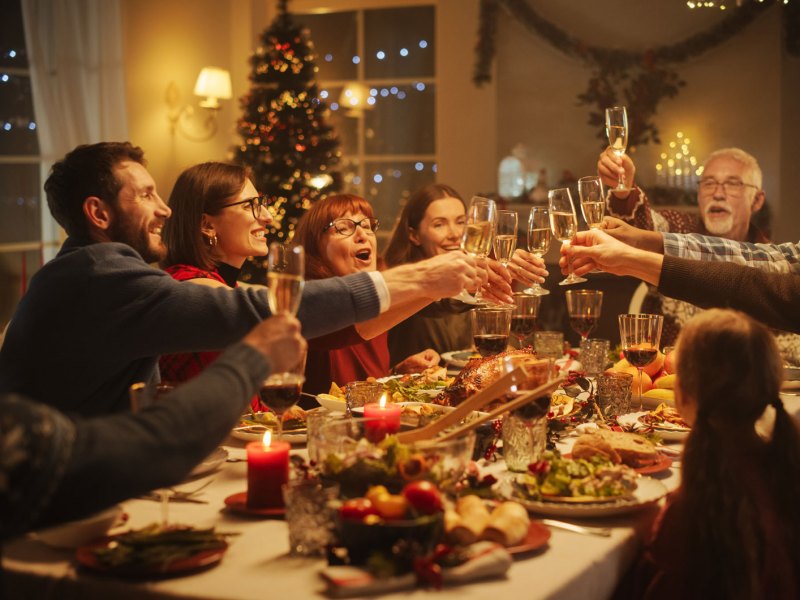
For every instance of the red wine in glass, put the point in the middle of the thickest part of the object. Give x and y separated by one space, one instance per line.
280 393
583 325
640 357
523 326
489 345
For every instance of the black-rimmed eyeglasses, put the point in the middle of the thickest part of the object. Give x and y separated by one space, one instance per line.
730 187
256 203
347 227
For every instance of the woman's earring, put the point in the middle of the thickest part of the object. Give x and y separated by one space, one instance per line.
212 240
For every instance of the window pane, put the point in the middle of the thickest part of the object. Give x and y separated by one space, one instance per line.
17 125
334 37
12 36
402 121
19 203
388 185
399 42
343 123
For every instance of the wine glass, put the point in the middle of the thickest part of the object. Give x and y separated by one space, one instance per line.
478 234
593 204
285 280
538 241
505 238
490 329
525 315
617 132
583 307
564 224
640 335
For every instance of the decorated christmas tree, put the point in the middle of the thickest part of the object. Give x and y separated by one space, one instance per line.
285 139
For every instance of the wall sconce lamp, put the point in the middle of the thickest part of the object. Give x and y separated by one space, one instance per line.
212 84
355 99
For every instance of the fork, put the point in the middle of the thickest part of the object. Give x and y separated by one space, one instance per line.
600 531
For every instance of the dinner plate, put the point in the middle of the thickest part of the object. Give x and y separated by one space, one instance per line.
459 358
238 503
538 536
648 492
183 566
293 436
210 462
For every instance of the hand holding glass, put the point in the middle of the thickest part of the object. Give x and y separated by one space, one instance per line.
505 239
593 203
538 241
478 232
617 133
564 224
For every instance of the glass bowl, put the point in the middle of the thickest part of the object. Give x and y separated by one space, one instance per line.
348 457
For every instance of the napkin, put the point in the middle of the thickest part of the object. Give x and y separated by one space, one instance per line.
487 559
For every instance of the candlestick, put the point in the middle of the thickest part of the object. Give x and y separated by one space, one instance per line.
383 419
267 471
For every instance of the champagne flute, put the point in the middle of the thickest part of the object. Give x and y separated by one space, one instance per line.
478 234
640 335
564 224
490 329
593 204
617 133
583 307
525 316
285 280
538 241
505 239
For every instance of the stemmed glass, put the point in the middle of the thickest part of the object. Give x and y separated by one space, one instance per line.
490 329
640 335
583 307
478 234
525 316
538 241
564 224
617 132
593 204
505 237
285 280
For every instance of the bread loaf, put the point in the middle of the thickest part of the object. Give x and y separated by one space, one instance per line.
473 517
508 524
617 446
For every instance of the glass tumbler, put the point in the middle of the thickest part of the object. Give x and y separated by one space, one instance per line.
359 393
549 344
310 510
525 434
614 393
594 355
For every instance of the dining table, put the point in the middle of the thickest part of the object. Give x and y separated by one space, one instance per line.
258 565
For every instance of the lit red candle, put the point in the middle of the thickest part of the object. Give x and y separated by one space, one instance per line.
267 471
384 419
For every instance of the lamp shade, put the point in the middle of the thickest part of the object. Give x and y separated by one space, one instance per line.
213 83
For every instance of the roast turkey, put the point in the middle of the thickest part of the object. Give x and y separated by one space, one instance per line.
476 375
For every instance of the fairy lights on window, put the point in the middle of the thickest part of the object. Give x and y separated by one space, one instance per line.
677 166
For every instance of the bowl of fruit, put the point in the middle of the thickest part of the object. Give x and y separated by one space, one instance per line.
347 456
384 526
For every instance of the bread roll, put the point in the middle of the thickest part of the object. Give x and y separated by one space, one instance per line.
591 444
508 524
473 518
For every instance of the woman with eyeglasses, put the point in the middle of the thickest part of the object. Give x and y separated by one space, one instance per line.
218 220
338 234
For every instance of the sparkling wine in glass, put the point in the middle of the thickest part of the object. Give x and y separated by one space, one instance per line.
583 307
491 327
617 133
593 203
538 241
279 393
525 317
478 234
505 238
285 278
640 335
564 224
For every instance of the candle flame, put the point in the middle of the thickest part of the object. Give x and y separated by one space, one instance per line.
382 402
267 439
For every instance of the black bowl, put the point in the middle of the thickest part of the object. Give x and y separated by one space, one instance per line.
362 539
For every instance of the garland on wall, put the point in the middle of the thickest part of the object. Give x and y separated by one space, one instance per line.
636 79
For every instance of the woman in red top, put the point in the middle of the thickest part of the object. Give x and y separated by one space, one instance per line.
218 220
338 234
732 530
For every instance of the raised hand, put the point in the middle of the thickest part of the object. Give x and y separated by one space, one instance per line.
526 268
278 339
418 362
610 167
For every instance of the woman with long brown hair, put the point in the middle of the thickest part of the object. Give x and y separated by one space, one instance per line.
732 530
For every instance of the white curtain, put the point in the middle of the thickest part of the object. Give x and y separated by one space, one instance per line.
77 79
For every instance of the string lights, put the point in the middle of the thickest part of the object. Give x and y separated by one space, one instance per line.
678 166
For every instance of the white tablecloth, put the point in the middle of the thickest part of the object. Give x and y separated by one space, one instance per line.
257 566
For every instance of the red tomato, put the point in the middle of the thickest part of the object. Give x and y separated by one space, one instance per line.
424 497
357 509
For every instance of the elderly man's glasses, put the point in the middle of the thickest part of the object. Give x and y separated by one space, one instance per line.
730 187
256 203
347 227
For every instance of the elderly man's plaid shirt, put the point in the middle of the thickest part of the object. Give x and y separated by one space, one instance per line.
782 258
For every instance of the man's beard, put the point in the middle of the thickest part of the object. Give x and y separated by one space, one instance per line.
717 226
126 232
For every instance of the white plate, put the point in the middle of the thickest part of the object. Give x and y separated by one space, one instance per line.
649 491
293 436
457 358
332 403
210 462
668 435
